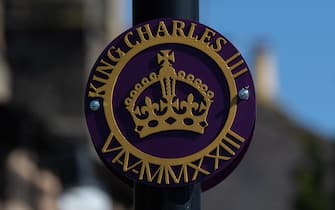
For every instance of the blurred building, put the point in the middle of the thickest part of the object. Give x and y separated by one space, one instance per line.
287 166
48 47
266 79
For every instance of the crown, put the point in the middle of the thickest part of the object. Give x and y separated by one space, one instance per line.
169 112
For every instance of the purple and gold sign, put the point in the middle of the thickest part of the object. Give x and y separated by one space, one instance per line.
171 102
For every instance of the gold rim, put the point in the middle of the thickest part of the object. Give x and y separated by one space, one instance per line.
108 101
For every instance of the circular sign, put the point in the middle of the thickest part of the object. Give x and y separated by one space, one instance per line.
170 102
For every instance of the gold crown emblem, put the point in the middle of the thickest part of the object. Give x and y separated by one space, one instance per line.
170 113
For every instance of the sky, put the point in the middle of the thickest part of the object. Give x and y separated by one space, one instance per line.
301 35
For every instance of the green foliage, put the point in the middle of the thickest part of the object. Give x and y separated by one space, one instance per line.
311 193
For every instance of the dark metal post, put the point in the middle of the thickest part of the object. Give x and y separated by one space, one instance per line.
150 9
153 198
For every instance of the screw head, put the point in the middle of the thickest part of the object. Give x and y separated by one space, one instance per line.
243 94
94 105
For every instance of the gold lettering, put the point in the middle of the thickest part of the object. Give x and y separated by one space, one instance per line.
226 148
217 46
162 29
126 162
206 36
217 157
167 176
191 31
118 156
231 142
104 69
198 169
100 79
236 136
96 91
177 28
146 31
160 175
119 52
184 171
105 148
236 65
176 179
145 169
127 41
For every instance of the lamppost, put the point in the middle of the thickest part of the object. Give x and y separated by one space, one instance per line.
170 106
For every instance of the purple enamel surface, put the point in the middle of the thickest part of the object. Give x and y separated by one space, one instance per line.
174 144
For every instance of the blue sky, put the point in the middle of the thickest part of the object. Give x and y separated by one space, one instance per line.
302 36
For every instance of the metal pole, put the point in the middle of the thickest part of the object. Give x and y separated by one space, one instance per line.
153 198
150 9
181 198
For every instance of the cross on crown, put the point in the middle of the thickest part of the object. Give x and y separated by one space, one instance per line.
169 113
165 58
